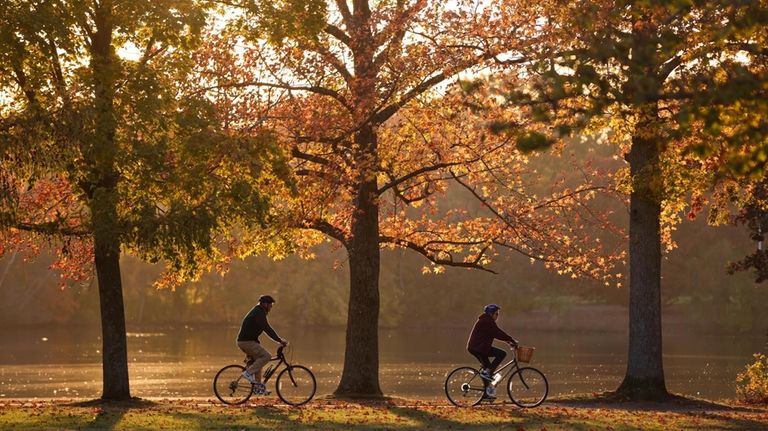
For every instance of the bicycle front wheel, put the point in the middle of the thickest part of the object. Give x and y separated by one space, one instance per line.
464 387
527 387
230 386
296 385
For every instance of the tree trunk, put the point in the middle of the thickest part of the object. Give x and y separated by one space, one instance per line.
100 154
360 377
114 343
644 378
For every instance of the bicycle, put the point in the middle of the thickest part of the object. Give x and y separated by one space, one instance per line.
526 386
295 384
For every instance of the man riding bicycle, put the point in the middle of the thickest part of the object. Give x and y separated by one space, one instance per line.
254 323
480 343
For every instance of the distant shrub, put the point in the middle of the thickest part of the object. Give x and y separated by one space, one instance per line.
752 384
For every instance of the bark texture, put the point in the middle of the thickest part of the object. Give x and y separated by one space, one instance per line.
644 378
101 188
360 377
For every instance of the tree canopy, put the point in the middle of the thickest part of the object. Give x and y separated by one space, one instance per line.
106 149
364 97
679 86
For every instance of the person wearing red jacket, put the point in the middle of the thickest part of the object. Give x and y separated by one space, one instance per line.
480 343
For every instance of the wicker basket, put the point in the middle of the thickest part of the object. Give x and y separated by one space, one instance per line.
525 354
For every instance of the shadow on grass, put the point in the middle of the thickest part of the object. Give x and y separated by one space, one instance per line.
133 403
110 413
675 403
397 414
421 416
736 423
255 418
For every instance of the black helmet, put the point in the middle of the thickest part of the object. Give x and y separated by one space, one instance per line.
266 299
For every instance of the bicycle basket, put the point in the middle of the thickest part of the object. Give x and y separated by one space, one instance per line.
524 354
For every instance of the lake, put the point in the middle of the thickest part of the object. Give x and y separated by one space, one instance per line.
181 362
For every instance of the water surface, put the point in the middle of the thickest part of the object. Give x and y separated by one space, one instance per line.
65 362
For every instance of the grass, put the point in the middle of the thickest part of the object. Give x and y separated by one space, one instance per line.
201 414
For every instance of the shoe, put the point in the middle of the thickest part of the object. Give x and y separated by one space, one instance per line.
490 392
485 375
260 389
248 376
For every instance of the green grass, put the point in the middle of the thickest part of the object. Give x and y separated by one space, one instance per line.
200 414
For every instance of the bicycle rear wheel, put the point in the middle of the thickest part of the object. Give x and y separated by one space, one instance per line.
527 387
296 385
464 387
230 386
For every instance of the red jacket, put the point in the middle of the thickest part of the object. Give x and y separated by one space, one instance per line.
483 334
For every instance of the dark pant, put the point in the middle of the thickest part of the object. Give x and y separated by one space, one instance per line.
498 356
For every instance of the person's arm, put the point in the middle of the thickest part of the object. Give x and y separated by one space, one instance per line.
499 334
261 320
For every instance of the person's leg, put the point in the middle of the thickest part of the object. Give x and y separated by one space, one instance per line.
482 358
498 356
248 356
258 353
259 361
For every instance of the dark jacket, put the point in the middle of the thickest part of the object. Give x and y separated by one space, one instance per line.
254 323
483 334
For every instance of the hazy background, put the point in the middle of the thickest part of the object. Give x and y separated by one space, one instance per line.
177 340
696 291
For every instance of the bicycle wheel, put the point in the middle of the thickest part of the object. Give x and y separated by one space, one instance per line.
296 385
527 387
464 387
230 386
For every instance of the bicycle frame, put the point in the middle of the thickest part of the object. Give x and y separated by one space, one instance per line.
270 370
513 366
232 386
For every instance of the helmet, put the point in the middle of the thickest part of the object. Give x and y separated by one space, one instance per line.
491 308
266 299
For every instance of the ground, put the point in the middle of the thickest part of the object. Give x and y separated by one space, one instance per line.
324 414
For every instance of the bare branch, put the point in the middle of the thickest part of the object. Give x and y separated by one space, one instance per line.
431 256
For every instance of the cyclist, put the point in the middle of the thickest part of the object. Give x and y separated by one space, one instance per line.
254 323
480 343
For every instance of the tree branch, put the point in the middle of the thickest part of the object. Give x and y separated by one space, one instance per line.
328 56
338 34
417 172
383 115
50 228
473 264
344 11
327 229
312 89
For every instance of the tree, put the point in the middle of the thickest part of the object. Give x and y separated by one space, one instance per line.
671 83
105 148
361 101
